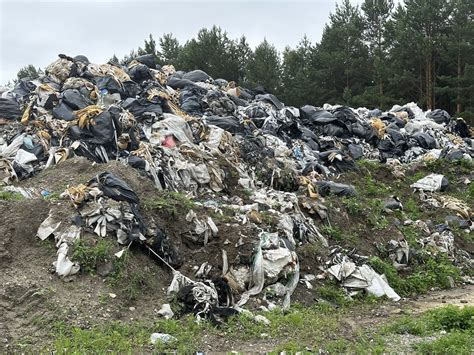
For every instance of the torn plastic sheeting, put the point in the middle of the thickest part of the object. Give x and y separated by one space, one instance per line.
272 263
165 311
343 270
161 338
7 172
64 266
432 182
171 125
12 149
377 285
47 227
362 277
275 261
71 235
201 227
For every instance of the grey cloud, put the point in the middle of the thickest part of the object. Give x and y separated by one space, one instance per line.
36 31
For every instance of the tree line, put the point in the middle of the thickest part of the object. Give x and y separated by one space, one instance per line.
375 55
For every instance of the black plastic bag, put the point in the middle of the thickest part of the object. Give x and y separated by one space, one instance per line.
229 123
139 73
9 109
439 116
138 107
63 112
148 60
326 188
114 187
74 99
196 76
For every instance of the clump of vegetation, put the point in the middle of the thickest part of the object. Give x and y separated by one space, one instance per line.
10 196
376 218
332 231
456 342
432 272
334 293
447 318
170 203
457 322
352 205
412 209
89 255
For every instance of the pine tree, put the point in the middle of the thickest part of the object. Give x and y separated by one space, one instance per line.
427 25
264 67
343 55
297 73
29 72
376 16
170 49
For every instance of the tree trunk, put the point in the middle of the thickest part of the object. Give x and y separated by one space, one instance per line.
458 94
429 81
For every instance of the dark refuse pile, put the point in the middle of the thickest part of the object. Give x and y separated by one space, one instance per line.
188 132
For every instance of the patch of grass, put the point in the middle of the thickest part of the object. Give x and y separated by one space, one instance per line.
52 196
301 324
411 234
451 167
456 342
412 209
91 255
118 337
352 205
10 196
369 187
375 216
170 203
333 293
332 231
433 272
447 318
370 165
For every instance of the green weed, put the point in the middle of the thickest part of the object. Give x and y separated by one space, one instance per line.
431 273
447 318
332 231
170 203
10 196
456 343
352 205
90 256
412 209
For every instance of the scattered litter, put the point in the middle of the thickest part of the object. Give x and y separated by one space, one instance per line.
161 338
165 311
432 182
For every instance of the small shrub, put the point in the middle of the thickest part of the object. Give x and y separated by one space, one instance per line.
449 318
10 196
412 209
333 232
169 202
90 256
457 342
333 293
352 205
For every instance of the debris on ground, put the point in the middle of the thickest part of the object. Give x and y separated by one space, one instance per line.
253 175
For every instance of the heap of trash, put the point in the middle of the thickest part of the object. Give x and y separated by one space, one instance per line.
190 133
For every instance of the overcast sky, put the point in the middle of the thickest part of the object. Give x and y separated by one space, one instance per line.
35 31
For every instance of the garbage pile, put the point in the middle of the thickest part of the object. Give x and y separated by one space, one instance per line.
191 133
